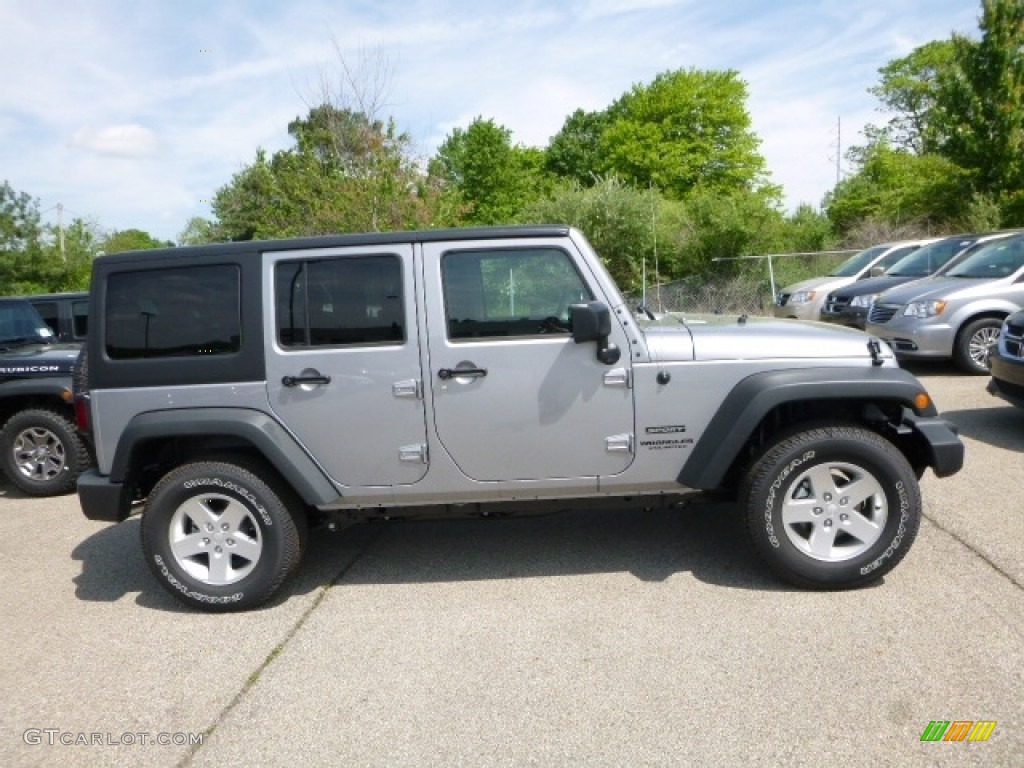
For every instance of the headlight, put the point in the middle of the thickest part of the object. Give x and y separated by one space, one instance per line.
802 297
863 301
925 308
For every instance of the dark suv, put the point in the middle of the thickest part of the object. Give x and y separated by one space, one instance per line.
40 451
1007 361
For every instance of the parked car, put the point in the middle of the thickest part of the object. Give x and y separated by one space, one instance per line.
67 314
1007 361
243 390
957 315
804 300
40 451
849 305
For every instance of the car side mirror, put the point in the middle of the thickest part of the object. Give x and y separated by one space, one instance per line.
593 322
876 272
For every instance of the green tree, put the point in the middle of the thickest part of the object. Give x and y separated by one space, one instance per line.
617 219
910 87
24 267
131 240
982 105
687 130
198 230
71 252
492 178
346 173
575 151
899 187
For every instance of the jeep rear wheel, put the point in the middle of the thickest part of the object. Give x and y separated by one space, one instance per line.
219 538
42 452
832 507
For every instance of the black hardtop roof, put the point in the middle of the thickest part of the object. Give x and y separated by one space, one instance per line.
337 241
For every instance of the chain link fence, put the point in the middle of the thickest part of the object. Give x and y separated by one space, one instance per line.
744 285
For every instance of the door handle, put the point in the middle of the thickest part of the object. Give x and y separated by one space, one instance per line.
294 381
452 373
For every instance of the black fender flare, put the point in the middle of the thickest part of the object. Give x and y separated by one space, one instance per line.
257 428
57 387
755 396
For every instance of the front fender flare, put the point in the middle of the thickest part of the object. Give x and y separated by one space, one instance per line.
755 396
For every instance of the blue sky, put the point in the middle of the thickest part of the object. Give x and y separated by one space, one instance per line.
133 113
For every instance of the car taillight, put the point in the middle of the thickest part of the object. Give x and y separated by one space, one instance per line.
82 412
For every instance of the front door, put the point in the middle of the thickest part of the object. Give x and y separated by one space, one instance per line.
514 398
343 368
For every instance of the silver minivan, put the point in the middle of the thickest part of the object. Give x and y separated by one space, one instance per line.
957 315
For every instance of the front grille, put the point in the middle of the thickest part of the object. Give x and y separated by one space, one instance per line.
882 313
836 304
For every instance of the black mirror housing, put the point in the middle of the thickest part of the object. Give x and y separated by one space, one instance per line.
593 322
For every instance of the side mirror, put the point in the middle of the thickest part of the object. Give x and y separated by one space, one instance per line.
876 272
593 322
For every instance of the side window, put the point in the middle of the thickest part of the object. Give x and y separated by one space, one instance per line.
502 293
49 312
340 302
176 312
80 318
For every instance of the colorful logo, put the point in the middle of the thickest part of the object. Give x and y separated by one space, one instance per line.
958 730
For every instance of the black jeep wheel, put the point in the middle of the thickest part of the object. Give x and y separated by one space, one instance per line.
42 452
832 507
219 538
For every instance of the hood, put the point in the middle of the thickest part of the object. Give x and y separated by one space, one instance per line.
938 288
39 359
827 283
680 337
875 285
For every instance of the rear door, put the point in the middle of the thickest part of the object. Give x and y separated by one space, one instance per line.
343 368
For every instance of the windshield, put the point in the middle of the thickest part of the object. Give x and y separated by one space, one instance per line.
858 261
928 258
21 324
995 260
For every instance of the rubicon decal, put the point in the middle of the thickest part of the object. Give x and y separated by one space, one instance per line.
30 369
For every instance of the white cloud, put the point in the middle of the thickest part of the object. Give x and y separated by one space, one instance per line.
129 140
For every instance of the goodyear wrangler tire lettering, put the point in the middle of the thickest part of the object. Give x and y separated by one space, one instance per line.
831 506
220 538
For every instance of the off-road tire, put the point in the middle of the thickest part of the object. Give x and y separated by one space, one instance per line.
831 507
973 344
43 454
220 538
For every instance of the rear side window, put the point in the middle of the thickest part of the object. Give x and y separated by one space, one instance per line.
351 300
49 312
80 318
175 312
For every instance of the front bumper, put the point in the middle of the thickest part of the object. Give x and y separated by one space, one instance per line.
102 499
852 317
1007 379
912 338
944 451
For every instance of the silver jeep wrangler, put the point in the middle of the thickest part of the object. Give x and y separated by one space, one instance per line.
244 391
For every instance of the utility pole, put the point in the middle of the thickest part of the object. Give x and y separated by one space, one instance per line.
60 230
839 144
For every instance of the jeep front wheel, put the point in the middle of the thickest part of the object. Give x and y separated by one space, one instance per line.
833 507
219 538
42 453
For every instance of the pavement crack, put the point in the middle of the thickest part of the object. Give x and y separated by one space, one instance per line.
981 555
373 534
